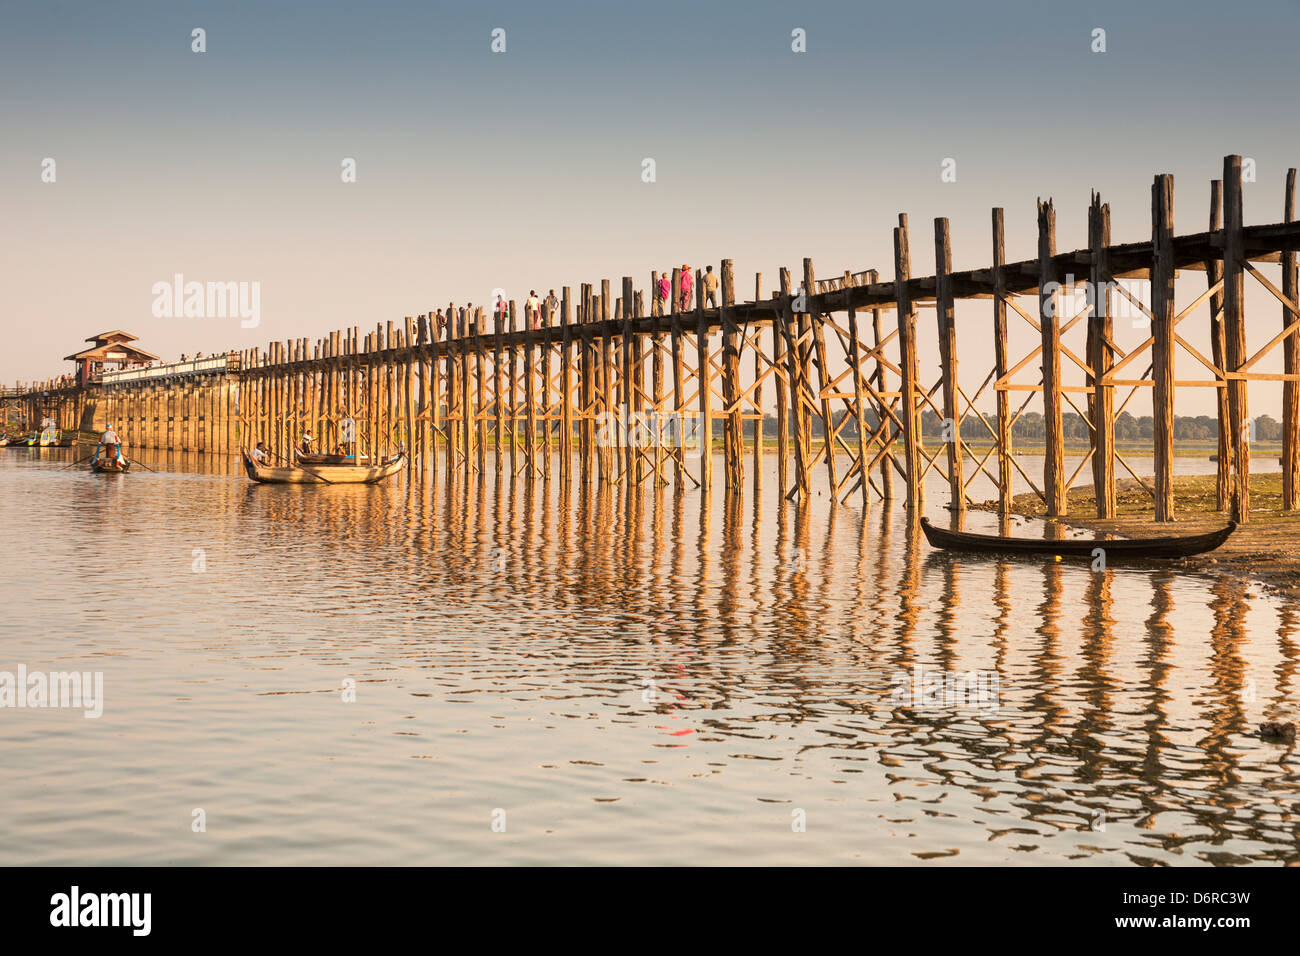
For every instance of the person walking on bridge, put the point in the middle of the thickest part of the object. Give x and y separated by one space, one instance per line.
533 309
710 287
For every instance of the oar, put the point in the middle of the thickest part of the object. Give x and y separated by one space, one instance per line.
141 464
314 474
82 462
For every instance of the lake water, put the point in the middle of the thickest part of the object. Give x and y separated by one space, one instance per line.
547 676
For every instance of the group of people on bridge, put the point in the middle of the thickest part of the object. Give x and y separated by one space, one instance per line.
460 322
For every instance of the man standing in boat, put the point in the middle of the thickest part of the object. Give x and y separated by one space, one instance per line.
110 444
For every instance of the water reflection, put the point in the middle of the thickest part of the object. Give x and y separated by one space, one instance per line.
638 673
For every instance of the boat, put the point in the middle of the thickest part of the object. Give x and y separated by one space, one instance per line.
324 474
1167 547
18 441
109 466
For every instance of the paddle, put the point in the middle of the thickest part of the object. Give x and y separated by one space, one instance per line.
82 462
135 461
315 475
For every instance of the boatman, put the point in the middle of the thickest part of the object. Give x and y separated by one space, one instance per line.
306 444
258 454
110 443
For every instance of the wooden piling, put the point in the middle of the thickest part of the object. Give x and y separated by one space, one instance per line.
1162 349
1049 300
1234 327
882 409
908 365
946 316
704 380
757 392
1290 362
817 323
1101 358
1005 470
733 446
566 388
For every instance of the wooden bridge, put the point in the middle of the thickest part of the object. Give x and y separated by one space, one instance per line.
557 398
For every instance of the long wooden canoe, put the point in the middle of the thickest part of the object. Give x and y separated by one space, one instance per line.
1168 547
324 474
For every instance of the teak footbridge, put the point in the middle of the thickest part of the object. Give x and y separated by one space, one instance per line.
544 399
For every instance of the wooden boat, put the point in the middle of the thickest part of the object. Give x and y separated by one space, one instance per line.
109 466
1168 547
19 442
324 474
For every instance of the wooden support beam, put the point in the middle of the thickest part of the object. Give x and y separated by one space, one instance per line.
587 385
1290 363
882 412
945 314
1101 357
907 363
1234 328
733 446
1162 349
859 408
704 379
530 373
626 377
757 395
609 452
480 412
1213 275
818 355
499 399
1005 471
566 387
780 336
1050 324
679 393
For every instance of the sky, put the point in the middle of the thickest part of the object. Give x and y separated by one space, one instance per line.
478 170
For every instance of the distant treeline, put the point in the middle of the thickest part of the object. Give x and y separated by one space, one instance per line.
1029 427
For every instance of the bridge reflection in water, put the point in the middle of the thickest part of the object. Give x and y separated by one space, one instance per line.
645 674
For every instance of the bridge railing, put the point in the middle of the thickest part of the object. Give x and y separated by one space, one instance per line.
228 361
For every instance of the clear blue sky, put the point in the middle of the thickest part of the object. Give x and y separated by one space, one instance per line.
479 170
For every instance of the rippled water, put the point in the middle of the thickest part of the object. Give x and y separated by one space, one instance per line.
618 678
